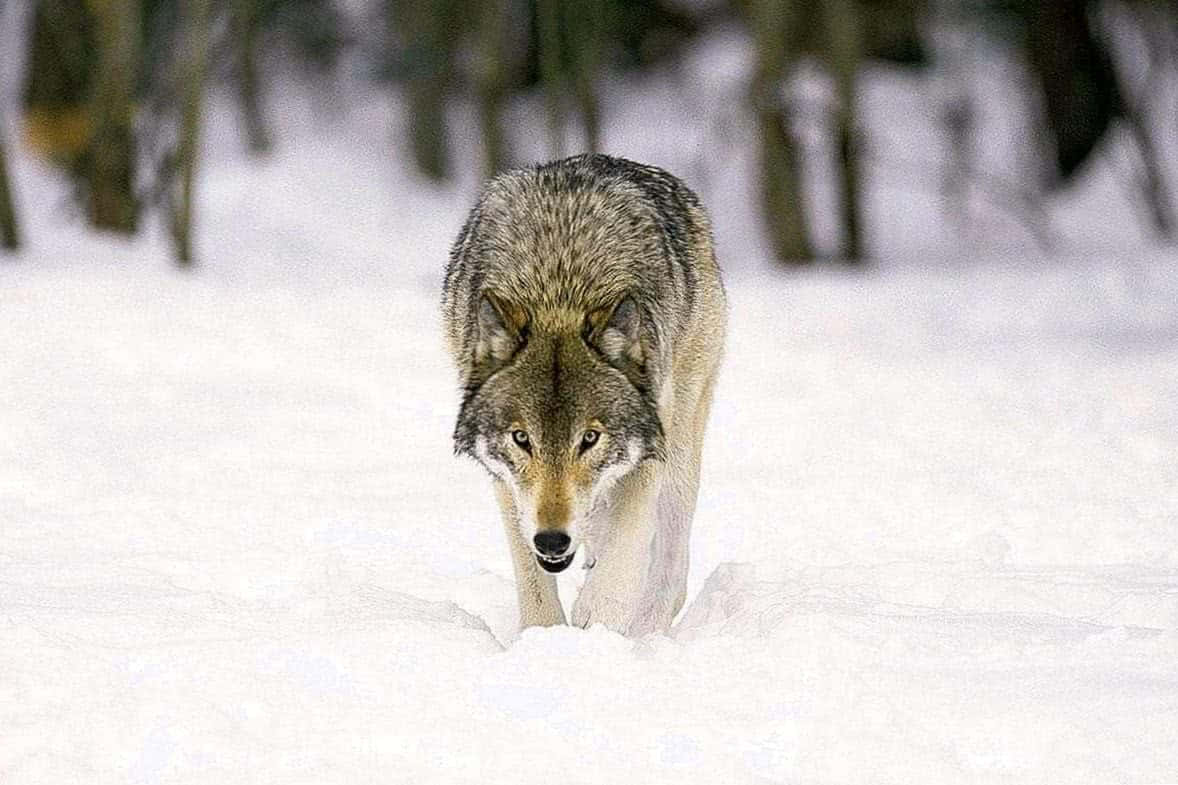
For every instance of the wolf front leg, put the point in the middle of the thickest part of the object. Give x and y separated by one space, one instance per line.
539 603
665 589
666 586
614 590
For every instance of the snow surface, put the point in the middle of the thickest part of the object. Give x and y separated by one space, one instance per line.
937 538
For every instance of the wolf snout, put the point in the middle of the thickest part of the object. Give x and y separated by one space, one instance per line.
551 544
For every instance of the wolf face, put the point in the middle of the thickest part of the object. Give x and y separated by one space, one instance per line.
559 418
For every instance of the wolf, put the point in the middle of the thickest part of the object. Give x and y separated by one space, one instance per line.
586 315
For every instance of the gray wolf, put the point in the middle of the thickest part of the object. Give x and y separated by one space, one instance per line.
584 309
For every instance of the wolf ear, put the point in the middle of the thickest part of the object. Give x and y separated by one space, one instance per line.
616 332
502 330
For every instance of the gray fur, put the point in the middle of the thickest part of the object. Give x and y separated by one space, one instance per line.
585 291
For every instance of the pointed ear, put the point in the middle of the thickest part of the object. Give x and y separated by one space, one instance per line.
501 329
616 332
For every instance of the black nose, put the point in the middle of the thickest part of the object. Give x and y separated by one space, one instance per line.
551 543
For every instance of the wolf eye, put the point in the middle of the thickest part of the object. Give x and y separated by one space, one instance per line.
521 438
588 439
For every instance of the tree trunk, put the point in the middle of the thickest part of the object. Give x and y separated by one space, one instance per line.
1136 105
249 91
585 43
111 151
192 88
9 235
952 55
783 208
843 53
61 62
428 29
551 71
1153 183
491 83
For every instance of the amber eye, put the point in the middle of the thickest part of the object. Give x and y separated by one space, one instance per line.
588 439
521 438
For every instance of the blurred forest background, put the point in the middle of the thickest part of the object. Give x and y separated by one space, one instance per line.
113 92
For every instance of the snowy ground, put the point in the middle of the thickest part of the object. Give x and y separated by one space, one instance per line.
937 538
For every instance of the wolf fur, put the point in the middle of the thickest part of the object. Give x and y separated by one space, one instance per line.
584 309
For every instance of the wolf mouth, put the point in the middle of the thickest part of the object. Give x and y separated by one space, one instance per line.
555 565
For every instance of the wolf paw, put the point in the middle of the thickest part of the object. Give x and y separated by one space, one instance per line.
597 609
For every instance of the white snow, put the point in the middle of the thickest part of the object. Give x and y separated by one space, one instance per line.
937 538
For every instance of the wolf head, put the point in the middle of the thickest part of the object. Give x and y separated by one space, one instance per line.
559 417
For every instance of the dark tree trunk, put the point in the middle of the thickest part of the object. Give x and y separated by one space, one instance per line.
62 59
9 234
429 31
492 53
192 89
111 202
782 206
1075 73
843 54
552 72
249 90
586 37
570 35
